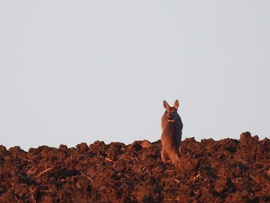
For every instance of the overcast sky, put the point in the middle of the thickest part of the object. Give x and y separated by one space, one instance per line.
81 71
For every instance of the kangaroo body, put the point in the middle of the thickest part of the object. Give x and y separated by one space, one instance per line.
171 136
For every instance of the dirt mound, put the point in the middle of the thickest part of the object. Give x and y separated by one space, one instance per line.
209 171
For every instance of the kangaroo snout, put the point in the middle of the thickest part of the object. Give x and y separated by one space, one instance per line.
171 136
170 117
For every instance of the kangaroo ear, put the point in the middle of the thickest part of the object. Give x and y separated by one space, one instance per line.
166 105
176 104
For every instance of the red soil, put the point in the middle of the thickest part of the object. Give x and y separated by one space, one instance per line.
209 171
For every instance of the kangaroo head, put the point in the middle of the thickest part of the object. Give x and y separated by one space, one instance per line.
171 112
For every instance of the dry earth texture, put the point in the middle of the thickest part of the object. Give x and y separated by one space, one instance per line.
209 171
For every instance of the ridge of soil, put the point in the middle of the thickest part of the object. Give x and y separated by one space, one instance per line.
227 170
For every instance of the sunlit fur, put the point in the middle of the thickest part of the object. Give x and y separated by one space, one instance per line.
172 126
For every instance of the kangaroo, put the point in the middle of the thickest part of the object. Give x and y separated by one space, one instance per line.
171 136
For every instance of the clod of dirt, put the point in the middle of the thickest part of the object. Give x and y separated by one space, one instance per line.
227 170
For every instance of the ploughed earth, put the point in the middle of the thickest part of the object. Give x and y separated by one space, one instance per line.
227 170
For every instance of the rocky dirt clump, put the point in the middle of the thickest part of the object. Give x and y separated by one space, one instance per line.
227 170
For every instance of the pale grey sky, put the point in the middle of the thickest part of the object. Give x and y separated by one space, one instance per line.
81 71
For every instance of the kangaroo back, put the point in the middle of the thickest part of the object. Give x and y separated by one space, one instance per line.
172 126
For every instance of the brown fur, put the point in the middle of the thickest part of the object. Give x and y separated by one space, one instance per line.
172 126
